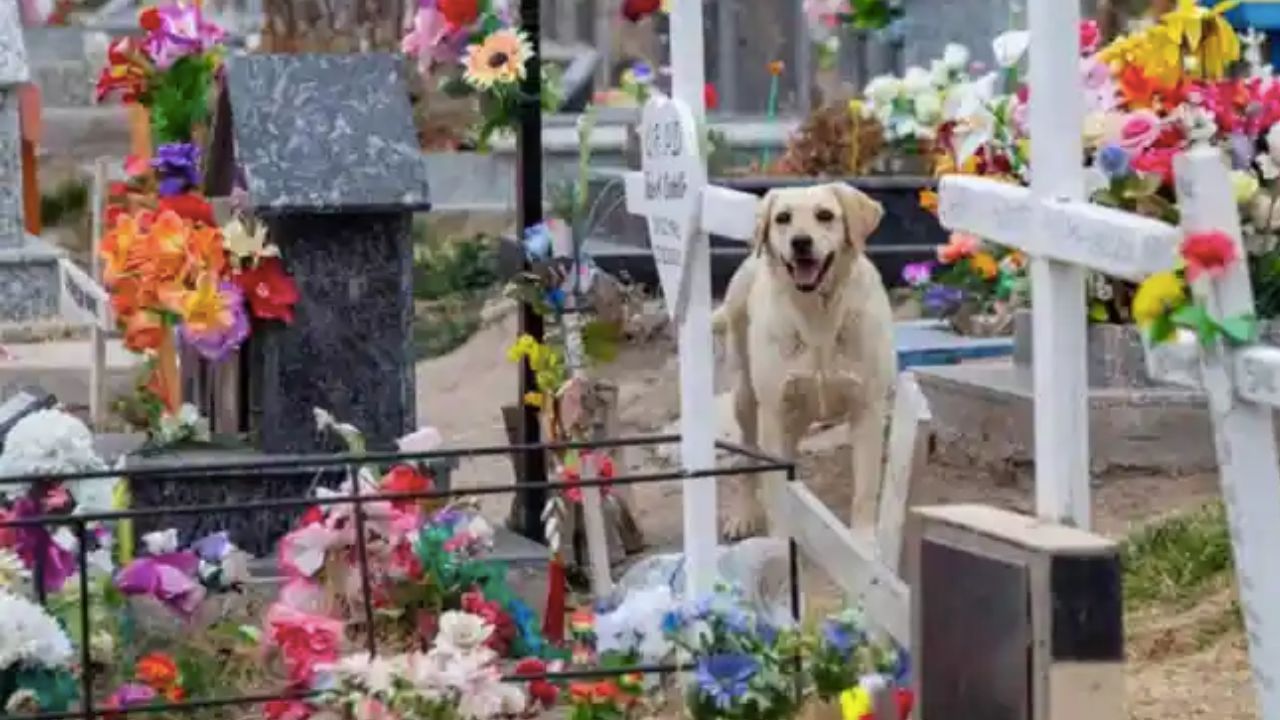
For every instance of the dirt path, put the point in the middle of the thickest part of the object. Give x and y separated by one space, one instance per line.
1186 663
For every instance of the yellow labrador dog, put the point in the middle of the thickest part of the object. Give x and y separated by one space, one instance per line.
810 327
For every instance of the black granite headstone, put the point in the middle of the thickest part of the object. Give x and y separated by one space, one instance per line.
327 147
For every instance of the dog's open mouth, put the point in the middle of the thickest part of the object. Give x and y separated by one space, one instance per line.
808 272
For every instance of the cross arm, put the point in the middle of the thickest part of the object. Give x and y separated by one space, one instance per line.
1109 241
725 212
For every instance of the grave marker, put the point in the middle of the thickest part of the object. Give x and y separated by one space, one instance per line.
334 169
1063 235
13 74
1242 390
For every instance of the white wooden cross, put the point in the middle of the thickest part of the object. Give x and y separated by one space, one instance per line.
1243 389
1063 236
672 192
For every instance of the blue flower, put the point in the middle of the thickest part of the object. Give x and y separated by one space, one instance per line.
672 622
537 242
768 633
840 636
941 299
725 678
738 621
555 298
1114 161
702 608
642 72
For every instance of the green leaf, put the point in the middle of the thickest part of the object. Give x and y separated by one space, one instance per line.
1161 329
1240 329
1194 317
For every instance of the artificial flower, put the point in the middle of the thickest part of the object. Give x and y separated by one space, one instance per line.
710 96
188 206
958 247
984 265
302 551
918 273
130 695
1205 33
216 343
177 167
1158 295
306 641
1114 162
12 569
1090 36
157 670
269 290
29 636
1158 162
725 678
462 631
497 60
125 72
403 479
636 10
1244 185
1010 47
177 30
1139 131
459 13
244 245
431 39
1208 253
169 578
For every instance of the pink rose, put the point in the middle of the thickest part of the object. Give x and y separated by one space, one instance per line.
1139 131
1157 161
1090 37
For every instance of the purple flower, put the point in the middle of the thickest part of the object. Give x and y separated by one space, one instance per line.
918 273
1114 161
131 695
1242 151
217 345
725 678
41 553
213 548
178 167
940 299
169 578
177 30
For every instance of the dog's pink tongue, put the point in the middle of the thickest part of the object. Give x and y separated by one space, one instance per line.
806 273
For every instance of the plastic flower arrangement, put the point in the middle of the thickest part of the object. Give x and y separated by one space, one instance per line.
840 654
911 109
169 70
1163 306
458 678
826 18
479 51
36 660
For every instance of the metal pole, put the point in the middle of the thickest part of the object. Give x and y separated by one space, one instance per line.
533 465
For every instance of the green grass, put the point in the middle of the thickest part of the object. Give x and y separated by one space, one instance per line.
1177 560
451 280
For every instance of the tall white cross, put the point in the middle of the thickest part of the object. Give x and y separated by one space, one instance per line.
1056 231
1243 389
672 192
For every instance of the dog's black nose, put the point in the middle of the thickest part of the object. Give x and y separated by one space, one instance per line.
802 245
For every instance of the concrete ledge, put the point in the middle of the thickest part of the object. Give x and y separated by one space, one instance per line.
982 414
62 368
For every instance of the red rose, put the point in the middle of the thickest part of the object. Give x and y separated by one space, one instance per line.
459 13
1208 253
637 10
541 690
270 291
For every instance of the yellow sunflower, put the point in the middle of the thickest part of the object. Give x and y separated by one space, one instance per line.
499 60
1157 295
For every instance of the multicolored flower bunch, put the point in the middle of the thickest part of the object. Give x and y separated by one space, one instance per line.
157 679
36 660
480 51
912 109
968 277
1163 306
169 70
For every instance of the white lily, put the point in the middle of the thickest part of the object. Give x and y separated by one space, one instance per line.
1011 47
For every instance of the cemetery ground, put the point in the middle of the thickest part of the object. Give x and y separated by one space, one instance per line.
1187 654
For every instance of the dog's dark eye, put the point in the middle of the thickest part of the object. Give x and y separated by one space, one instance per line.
783 218
824 215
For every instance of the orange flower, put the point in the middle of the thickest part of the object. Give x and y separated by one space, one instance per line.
143 331
1138 90
205 251
604 691
958 248
929 200
118 246
157 670
984 265
776 67
581 692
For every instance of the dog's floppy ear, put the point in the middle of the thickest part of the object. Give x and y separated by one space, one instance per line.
764 219
862 215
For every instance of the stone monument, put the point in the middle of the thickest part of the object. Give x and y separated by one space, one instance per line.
29 277
327 149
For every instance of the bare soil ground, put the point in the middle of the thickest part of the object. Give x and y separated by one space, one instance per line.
1187 662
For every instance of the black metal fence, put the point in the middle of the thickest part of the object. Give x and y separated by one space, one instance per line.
746 463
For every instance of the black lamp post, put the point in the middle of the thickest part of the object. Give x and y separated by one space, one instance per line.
532 464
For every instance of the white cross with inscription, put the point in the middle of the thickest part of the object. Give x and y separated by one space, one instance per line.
672 192
1062 236
1243 389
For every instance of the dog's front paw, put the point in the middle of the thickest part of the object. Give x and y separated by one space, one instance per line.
746 519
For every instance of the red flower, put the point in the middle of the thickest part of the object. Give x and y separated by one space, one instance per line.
581 692
459 13
313 516
1157 161
157 670
1090 36
504 630
710 96
541 691
1208 252
637 10
287 710
150 20
405 479
189 206
270 291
